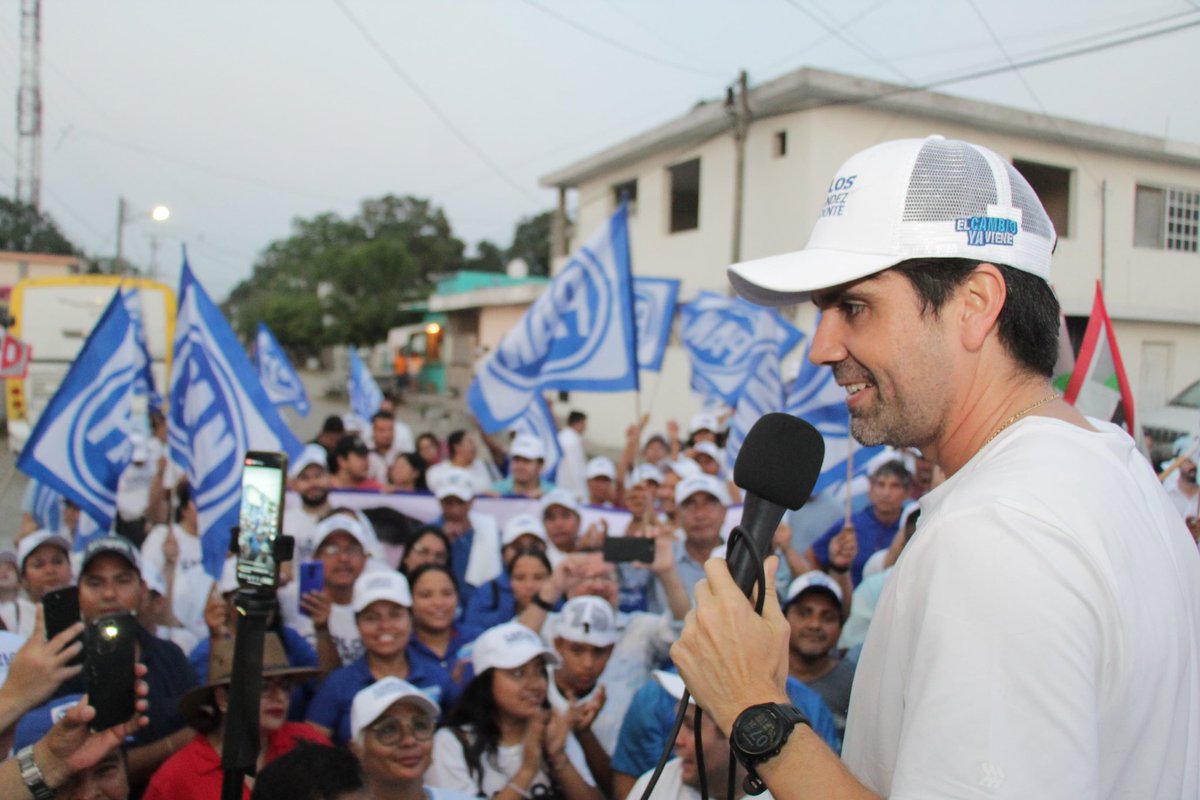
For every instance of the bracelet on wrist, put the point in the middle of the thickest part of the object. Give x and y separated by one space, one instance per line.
542 604
839 570
522 792
31 775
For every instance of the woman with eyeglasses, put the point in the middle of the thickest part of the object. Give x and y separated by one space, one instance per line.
437 639
194 771
429 545
382 610
392 724
502 741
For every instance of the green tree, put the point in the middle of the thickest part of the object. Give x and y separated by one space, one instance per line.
25 230
488 258
531 241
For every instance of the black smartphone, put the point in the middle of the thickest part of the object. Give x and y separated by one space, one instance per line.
312 579
260 518
60 610
619 549
111 651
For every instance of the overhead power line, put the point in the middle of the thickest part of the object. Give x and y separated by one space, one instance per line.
836 32
431 105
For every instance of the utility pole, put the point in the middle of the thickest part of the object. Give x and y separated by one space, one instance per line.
737 107
29 107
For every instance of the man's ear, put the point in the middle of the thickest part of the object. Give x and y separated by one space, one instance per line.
981 296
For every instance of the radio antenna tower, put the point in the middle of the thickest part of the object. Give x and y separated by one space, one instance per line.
29 107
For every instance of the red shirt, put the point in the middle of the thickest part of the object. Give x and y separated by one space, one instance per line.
194 773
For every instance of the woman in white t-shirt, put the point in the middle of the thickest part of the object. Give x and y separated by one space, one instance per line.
501 740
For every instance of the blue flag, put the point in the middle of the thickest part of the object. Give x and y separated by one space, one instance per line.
81 444
726 337
816 398
219 410
276 373
43 504
578 334
143 384
653 311
762 394
538 421
365 394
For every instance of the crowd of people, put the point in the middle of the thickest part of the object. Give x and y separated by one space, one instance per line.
457 656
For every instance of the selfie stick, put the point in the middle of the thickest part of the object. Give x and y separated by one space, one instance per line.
253 604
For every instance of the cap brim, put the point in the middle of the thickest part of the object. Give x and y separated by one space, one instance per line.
791 278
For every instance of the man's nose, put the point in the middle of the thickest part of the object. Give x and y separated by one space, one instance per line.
826 347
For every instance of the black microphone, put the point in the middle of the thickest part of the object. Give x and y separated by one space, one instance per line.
776 468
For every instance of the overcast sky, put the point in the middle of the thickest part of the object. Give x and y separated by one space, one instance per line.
244 115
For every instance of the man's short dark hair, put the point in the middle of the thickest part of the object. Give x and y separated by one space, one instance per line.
894 468
576 417
183 496
378 415
454 440
333 424
309 772
1029 322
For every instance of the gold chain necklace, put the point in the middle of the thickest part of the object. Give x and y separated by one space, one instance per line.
1017 416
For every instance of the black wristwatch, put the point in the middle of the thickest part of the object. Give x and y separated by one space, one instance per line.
759 733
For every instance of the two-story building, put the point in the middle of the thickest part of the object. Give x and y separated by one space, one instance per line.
1126 207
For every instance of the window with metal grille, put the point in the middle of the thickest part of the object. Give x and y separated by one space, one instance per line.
1167 219
685 196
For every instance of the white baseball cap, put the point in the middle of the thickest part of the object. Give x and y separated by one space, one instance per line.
310 455
380 584
370 703
520 525
684 467
35 540
343 522
709 449
526 446
909 198
560 497
601 467
814 579
673 684
154 579
644 472
701 483
588 619
704 421
507 646
454 482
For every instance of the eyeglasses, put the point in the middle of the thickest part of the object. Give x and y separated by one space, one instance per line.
438 556
390 730
334 550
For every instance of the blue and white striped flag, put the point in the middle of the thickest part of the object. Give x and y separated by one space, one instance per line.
816 398
218 411
653 311
578 334
81 445
726 337
144 383
762 394
276 373
538 421
43 504
365 395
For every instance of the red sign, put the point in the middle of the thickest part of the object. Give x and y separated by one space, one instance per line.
14 357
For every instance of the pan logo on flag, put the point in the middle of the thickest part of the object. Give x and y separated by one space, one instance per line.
722 339
99 432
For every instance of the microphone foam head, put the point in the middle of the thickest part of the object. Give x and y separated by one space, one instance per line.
780 460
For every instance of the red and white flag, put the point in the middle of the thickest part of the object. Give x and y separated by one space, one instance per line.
1098 385
14 357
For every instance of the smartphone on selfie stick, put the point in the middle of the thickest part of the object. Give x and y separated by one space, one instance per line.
260 548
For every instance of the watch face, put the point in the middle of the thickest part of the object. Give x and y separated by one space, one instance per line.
758 731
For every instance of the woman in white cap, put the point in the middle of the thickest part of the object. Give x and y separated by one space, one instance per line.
392 724
194 771
438 636
501 740
382 610
526 567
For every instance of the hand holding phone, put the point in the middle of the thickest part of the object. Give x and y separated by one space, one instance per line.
312 579
620 549
60 610
111 645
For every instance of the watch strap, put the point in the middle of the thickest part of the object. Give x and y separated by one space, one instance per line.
32 775
792 716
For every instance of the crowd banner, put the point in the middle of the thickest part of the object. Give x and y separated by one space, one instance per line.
276 373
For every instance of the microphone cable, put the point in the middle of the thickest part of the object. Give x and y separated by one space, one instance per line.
736 537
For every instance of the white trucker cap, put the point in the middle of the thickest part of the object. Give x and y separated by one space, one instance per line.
909 198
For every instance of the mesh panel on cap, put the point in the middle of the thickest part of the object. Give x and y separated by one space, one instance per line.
950 180
1033 215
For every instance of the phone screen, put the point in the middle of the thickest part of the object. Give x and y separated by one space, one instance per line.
260 518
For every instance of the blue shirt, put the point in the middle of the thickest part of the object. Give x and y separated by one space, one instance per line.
652 714
491 604
422 659
872 535
506 486
331 707
460 552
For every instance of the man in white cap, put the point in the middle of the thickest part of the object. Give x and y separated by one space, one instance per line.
1185 491
308 477
526 457
701 503
326 618
562 521
815 611
931 264
601 482
680 779
474 536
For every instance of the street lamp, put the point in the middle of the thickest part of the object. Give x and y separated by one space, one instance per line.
159 213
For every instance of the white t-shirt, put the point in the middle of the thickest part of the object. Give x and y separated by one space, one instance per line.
342 627
191 553
301 525
449 769
481 477
1184 504
1039 634
670 785
572 467
645 641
